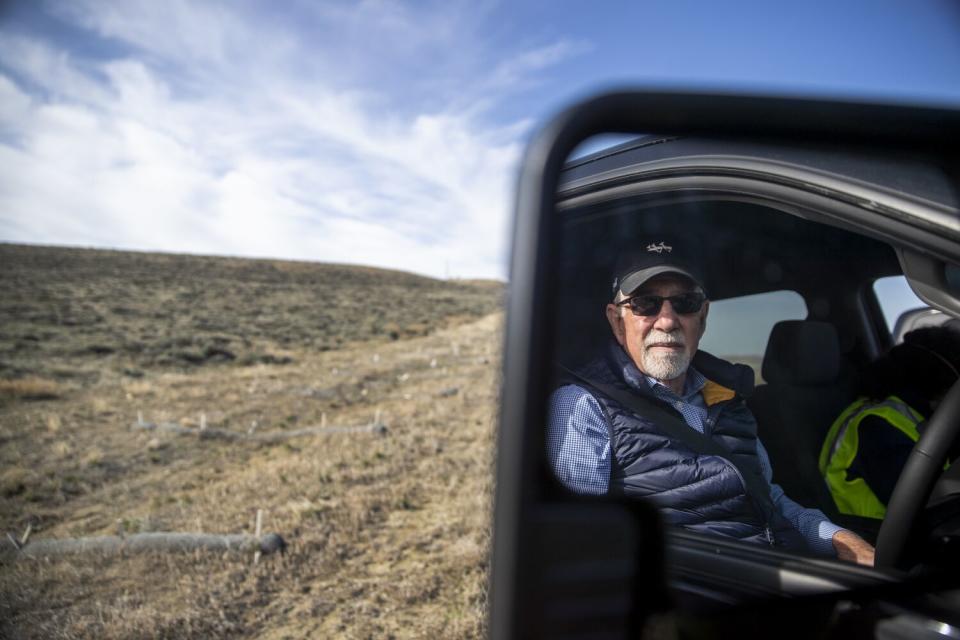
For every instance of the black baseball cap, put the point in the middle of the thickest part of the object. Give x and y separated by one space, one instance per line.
653 257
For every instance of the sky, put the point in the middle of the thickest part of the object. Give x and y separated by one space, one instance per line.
374 132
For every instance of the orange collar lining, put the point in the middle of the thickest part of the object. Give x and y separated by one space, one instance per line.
714 393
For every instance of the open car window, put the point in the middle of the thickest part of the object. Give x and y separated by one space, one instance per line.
784 270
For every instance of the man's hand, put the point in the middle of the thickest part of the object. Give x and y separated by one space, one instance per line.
852 547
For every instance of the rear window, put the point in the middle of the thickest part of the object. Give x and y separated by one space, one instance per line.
738 328
896 298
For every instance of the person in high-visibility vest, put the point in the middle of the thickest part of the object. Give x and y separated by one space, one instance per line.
868 445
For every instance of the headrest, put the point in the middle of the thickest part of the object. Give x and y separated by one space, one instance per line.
802 352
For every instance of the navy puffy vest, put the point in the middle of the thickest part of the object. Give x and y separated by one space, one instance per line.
698 492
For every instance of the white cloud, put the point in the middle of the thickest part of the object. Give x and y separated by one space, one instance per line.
15 106
53 71
202 135
522 67
194 33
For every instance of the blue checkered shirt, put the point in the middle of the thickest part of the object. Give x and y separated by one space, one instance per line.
578 446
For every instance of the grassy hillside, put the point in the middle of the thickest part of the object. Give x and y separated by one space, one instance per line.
74 312
388 533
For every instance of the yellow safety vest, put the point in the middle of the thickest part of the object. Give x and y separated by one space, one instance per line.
854 497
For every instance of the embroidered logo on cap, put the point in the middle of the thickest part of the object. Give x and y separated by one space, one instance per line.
659 248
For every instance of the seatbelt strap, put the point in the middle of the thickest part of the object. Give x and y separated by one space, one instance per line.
675 427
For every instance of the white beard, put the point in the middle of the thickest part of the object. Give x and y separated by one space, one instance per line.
664 366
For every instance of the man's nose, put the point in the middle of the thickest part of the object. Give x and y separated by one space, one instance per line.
667 319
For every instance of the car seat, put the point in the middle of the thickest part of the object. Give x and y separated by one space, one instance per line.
807 386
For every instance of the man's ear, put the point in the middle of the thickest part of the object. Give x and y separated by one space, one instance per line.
703 318
616 322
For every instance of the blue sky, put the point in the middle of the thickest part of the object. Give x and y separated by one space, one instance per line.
381 133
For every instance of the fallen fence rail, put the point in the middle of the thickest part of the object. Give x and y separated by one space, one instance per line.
143 542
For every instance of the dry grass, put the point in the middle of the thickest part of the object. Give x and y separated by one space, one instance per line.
72 314
388 535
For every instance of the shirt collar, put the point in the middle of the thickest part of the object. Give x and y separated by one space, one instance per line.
692 386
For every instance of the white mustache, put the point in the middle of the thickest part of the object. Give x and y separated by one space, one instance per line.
664 337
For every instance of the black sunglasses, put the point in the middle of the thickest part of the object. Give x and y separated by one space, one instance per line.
650 305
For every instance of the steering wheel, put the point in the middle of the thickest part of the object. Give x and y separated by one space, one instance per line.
916 482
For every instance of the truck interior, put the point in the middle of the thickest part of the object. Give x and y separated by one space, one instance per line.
752 244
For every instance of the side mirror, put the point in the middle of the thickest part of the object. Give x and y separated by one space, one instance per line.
568 565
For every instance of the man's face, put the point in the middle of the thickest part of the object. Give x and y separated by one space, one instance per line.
661 345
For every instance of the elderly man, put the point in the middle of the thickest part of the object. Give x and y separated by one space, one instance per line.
654 418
